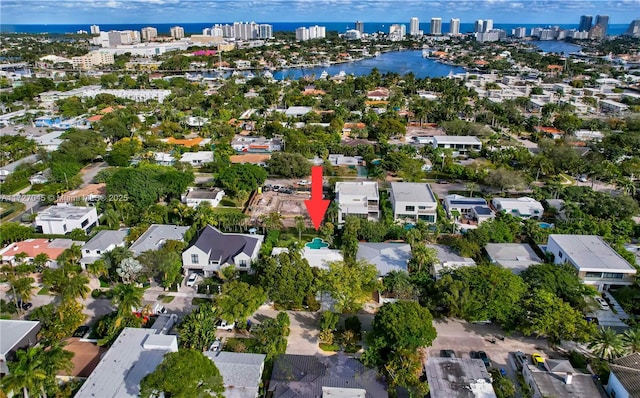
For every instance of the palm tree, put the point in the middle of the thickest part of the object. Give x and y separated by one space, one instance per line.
75 287
126 297
26 373
98 268
631 340
300 226
607 344
422 256
22 288
40 260
273 221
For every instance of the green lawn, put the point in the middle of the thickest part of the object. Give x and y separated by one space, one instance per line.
329 347
167 299
44 291
199 300
235 344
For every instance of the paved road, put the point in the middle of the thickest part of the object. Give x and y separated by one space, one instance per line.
88 173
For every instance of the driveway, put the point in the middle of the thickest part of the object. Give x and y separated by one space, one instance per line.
304 330
88 173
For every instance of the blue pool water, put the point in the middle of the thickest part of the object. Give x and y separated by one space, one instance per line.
317 243
545 225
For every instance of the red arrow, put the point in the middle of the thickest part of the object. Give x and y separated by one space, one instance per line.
316 206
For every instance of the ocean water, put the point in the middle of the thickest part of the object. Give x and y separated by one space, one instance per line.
341 27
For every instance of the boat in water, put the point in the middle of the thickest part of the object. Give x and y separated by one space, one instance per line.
323 75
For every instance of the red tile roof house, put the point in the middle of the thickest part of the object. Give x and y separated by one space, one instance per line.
33 247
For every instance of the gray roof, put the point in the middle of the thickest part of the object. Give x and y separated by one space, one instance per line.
458 377
13 332
358 188
298 110
104 239
553 384
591 252
241 372
204 193
135 353
627 371
12 166
65 212
386 257
155 236
302 376
412 192
447 254
226 246
515 256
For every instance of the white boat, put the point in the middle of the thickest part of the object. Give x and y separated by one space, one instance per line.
325 64
250 75
425 54
267 75
324 74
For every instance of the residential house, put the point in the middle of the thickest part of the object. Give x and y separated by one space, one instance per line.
8 169
379 94
348 127
86 356
297 111
256 144
458 377
386 257
195 196
303 376
342 160
515 256
550 132
448 259
102 242
358 198
156 236
89 194
557 378
624 380
49 142
412 201
460 144
32 247
62 219
259 159
163 159
135 353
40 177
610 106
188 142
16 335
214 250
462 208
596 262
589 135
241 372
523 207
197 159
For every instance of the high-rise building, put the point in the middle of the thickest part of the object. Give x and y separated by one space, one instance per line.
585 23
436 26
478 27
149 33
265 31
596 32
488 25
177 32
352 34
519 33
397 32
313 32
360 26
95 30
414 26
634 29
603 21
454 26
206 32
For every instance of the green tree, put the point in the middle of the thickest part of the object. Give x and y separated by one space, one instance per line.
238 301
607 344
631 340
350 285
329 320
560 280
184 374
242 177
127 297
289 165
58 320
197 330
287 279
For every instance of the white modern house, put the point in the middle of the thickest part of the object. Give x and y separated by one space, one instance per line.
460 144
62 219
360 199
102 242
195 196
461 207
214 250
523 207
412 201
197 159
596 262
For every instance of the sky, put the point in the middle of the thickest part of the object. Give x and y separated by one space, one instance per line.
213 11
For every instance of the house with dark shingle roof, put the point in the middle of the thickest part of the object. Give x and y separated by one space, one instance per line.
624 380
302 376
214 250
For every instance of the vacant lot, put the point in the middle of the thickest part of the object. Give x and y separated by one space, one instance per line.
289 206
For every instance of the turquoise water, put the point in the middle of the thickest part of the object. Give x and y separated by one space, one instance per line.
545 225
317 243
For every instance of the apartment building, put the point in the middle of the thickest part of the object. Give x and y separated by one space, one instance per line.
93 58
360 199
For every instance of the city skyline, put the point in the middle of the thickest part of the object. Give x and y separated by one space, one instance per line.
186 11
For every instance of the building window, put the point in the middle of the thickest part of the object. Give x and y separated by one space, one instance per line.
87 251
560 254
409 208
593 275
611 275
194 259
64 227
422 207
85 223
97 251
242 263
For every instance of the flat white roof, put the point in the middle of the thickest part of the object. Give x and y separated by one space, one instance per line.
63 212
412 192
135 354
358 188
456 139
591 253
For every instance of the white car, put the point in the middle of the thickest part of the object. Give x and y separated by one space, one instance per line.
602 303
223 325
304 182
216 345
192 280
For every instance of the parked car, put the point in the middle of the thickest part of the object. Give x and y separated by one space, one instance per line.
443 182
223 325
276 188
304 182
474 355
217 344
192 280
24 306
520 359
81 331
447 354
537 359
602 303
485 358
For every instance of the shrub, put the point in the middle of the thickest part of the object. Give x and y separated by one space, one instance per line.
577 360
353 323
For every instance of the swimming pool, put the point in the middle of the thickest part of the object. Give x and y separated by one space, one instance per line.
317 243
545 225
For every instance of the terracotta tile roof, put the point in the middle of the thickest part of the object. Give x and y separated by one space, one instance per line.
185 142
378 102
85 359
88 191
313 91
94 118
549 130
109 109
554 67
32 247
253 158
481 62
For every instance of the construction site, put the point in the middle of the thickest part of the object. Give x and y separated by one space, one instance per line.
288 205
